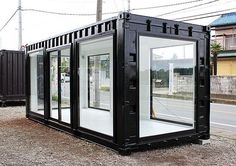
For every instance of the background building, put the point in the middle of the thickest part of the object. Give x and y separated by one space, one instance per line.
224 32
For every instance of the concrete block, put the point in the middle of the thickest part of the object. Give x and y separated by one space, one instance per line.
203 141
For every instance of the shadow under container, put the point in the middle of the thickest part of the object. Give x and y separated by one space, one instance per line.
130 82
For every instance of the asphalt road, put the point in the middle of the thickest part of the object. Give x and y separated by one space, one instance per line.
222 116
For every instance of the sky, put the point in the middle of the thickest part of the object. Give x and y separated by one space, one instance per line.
39 26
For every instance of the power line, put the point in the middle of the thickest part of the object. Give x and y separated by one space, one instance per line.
107 13
198 18
8 20
66 14
179 10
203 15
168 5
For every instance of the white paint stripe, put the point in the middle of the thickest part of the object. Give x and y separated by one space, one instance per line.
222 124
174 116
223 105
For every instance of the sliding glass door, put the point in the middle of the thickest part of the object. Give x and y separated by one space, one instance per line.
60 85
37 82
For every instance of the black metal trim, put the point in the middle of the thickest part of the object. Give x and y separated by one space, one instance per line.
173 121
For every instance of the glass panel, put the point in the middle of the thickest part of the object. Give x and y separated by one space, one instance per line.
54 84
99 82
37 82
65 85
96 76
166 78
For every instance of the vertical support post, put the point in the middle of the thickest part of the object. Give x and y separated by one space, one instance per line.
0 43
96 60
128 6
20 26
99 10
171 78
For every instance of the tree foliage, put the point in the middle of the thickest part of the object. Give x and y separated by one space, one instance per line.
215 48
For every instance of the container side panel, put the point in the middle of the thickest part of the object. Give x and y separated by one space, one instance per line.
23 74
10 75
1 55
4 74
14 72
20 72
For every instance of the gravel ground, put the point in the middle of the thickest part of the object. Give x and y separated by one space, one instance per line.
24 142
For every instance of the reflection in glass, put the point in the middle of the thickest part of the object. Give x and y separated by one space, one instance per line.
99 81
65 85
37 82
166 77
172 77
60 85
54 84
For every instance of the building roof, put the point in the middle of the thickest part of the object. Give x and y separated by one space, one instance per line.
224 20
227 54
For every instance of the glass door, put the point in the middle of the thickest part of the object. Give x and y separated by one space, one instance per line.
64 71
60 85
37 82
54 84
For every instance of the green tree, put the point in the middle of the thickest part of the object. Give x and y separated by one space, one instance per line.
215 49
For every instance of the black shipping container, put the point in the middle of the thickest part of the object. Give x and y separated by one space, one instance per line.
130 82
12 76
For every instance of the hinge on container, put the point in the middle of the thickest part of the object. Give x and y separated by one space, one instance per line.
207 36
206 28
124 15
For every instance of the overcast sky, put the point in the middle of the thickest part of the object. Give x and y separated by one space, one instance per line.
39 26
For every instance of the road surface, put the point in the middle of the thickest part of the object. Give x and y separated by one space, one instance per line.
222 116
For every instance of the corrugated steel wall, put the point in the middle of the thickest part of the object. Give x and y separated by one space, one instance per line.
12 75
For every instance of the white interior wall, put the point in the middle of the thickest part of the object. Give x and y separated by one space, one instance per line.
87 119
144 79
33 83
34 101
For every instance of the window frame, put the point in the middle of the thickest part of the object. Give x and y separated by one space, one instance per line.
79 128
96 55
196 86
58 50
151 85
28 82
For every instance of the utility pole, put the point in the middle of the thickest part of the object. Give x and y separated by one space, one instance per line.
99 10
128 6
20 26
97 62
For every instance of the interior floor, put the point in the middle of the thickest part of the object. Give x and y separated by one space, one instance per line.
65 114
102 121
150 127
97 120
